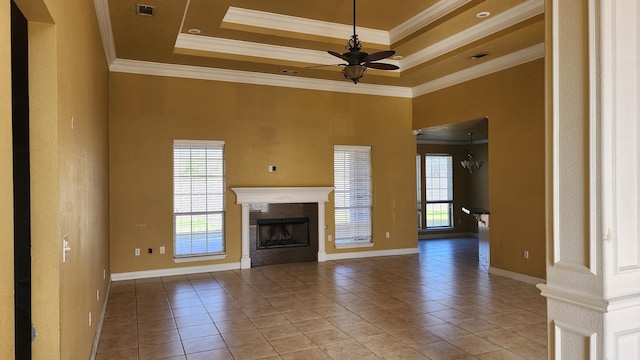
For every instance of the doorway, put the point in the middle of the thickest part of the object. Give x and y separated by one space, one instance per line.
21 183
444 189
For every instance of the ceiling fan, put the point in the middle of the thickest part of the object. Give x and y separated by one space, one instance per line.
358 61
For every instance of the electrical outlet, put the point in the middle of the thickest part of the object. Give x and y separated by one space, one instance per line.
150 251
330 238
98 295
162 250
526 254
137 252
387 235
104 274
90 319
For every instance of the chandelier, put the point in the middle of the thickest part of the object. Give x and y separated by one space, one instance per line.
470 163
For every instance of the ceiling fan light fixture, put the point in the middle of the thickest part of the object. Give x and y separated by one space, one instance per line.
354 72
471 164
357 60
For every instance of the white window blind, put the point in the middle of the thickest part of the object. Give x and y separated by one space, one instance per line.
198 197
352 182
439 190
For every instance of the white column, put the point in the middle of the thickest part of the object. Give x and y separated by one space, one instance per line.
593 166
322 254
245 261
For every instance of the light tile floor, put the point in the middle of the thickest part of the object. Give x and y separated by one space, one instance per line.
437 304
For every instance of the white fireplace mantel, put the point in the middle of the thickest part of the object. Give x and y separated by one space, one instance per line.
273 195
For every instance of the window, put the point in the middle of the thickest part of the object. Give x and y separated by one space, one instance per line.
439 191
198 198
352 181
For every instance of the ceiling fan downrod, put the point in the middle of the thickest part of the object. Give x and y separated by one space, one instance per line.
354 43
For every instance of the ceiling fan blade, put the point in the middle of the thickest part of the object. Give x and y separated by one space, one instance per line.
319 66
338 55
381 66
379 55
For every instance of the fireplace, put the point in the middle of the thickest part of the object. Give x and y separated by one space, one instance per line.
281 195
280 233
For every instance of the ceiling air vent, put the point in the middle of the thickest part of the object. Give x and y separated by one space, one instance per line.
145 10
479 56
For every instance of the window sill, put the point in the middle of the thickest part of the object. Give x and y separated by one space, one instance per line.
354 245
444 228
199 258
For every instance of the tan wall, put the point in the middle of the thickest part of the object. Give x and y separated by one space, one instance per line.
479 180
295 130
83 174
513 100
68 78
6 186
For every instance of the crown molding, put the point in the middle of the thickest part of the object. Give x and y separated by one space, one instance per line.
450 142
203 73
273 21
106 32
424 18
514 59
247 77
523 11
490 26
251 49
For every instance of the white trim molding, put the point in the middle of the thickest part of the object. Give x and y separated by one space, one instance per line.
174 271
373 253
103 311
294 24
521 12
353 245
248 77
515 276
249 50
106 32
250 195
186 259
589 301
424 18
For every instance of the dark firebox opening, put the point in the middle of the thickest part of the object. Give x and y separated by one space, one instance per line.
279 233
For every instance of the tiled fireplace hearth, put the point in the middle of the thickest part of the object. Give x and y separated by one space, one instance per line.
294 196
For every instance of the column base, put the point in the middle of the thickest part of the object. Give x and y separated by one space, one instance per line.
322 256
245 262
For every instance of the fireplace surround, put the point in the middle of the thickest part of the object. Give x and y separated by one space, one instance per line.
247 196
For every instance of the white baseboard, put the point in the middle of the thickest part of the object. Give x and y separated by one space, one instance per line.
426 236
174 271
516 276
366 254
96 339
